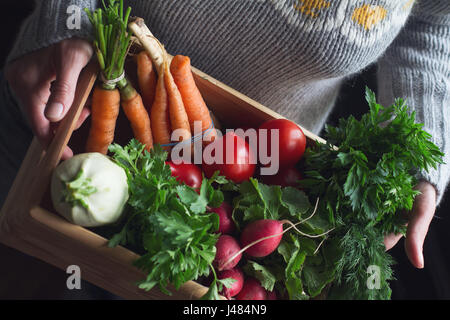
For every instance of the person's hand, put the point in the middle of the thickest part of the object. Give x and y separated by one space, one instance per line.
419 220
44 84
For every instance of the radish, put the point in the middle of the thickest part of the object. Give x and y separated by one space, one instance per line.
261 237
252 290
227 253
226 223
261 229
236 287
271 295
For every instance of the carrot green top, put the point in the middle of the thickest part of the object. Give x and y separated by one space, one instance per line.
111 41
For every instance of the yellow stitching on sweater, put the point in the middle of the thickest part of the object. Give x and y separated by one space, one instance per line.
407 5
368 16
310 7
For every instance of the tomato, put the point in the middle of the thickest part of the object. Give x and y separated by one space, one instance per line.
242 165
188 173
246 133
285 178
292 141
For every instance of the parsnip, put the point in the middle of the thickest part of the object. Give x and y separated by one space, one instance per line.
150 43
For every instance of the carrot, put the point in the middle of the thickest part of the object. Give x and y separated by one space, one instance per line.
194 104
104 111
146 78
111 44
178 117
138 116
159 115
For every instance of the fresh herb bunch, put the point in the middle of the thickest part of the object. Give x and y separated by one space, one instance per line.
300 267
168 222
365 177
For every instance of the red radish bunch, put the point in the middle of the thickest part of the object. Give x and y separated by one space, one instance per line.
238 276
252 290
226 223
258 239
227 253
271 295
256 231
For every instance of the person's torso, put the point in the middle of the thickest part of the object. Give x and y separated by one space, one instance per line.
285 54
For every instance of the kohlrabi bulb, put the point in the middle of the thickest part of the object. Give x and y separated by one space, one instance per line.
89 189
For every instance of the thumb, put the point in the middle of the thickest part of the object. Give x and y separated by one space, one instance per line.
62 92
67 66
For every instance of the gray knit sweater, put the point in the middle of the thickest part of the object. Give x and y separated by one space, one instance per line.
292 55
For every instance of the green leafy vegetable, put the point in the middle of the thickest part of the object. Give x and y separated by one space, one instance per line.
362 180
365 176
262 273
168 222
283 269
216 287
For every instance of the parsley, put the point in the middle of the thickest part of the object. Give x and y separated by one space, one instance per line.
167 222
365 176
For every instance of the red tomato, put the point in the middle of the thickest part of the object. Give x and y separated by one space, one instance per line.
246 133
188 173
285 178
292 141
242 165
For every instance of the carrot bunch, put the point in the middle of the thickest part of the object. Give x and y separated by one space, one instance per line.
173 100
195 106
111 44
169 103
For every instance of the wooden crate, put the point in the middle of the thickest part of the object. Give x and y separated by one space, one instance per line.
28 223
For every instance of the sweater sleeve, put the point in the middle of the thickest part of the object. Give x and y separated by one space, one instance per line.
417 68
50 22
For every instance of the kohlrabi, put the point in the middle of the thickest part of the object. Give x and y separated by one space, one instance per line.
89 190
